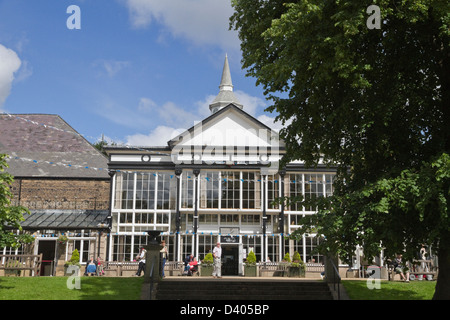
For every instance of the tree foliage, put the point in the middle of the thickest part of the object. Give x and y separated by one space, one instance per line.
10 216
373 103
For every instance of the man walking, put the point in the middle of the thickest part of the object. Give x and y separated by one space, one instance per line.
217 254
141 259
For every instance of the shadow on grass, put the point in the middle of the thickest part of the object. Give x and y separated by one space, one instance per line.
417 290
63 288
102 288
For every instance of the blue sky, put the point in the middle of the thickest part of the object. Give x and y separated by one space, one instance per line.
138 71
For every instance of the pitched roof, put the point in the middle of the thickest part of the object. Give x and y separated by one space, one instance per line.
65 219
43 145
230 108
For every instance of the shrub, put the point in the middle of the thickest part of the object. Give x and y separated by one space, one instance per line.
208 260
251 259
296 257
287 257
74 260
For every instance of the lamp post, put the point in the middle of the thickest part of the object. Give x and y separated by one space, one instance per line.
282 173
153 257
196 173
178 172
109 218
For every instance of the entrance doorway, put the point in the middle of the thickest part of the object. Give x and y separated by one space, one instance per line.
230 260
48 250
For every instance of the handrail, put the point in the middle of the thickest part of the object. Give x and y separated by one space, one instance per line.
335 274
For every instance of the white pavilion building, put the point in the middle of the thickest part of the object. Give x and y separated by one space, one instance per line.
215 182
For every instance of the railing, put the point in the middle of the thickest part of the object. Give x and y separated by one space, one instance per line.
17 263
282 266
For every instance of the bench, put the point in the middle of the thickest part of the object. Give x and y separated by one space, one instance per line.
273 269
128 268
119 268
174 268
15 264
415 270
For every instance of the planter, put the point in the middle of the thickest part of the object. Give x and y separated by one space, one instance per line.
206 270
71 270
296 272
249 271
12 273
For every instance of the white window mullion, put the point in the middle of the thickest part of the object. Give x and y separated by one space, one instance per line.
241 191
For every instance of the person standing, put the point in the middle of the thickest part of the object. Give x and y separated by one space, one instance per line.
217 254
164 256
141 258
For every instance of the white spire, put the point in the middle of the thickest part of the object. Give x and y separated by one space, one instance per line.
226 95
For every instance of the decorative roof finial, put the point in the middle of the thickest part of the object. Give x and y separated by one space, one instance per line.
226 95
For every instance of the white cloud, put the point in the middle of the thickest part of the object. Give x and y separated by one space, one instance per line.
9 64
252 105
204 22
168 119
158 137
111 67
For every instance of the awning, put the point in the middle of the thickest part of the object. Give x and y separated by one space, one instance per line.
65 219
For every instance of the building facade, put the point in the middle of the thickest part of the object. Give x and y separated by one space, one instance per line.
64 182
216 182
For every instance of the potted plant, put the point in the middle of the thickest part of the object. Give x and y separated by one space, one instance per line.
206 266
297 267
62 239
283 266
250 265
73 262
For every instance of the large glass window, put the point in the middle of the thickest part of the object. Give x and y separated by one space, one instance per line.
230 182
187 190
145 191
273 191
209 190
329 180
313 188
251 190
296 190
166 193
124 190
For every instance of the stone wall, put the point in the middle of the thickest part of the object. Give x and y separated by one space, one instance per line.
61 194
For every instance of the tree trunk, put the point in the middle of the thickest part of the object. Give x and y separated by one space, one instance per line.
442 291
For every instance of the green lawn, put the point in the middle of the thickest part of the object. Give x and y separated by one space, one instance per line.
107 288
56 288
390 290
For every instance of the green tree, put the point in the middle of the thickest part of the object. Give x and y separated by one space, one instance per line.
374 103
10 216
101 144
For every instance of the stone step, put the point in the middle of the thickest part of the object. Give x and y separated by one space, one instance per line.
219 289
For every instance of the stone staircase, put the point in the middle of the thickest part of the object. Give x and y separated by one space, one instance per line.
198 288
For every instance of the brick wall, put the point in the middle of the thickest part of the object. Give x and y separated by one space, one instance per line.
61 193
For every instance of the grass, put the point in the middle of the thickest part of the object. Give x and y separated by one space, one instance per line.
390 290
108 288
56 288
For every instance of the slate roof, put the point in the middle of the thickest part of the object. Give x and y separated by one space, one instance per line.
64 219
43 145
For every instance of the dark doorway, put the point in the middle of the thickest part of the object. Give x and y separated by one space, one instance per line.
47 248
230 260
